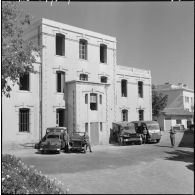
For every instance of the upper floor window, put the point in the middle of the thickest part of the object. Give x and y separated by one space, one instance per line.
24 82
140 89
100 99
83 77
103 79
83 49
187 99
124 115
124 88
141 115
93 101
60 44
60 81
24 120
86 98
103 53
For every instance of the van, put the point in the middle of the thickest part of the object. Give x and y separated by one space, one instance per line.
154 134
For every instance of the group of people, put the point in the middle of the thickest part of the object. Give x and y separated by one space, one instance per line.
67 140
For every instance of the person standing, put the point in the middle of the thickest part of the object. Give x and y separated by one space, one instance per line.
86 139
172 136
145 132
66 140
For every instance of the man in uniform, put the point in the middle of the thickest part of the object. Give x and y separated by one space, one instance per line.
66 140
172 136
86 138
145 132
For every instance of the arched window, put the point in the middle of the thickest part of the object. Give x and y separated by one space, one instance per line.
24 120
60 44
83 49
124 88
124 115
103 53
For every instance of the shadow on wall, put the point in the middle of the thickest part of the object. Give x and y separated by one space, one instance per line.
185 156
187 139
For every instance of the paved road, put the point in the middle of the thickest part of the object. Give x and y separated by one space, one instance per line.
146 169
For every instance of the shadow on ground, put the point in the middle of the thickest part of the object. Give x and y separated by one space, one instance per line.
180 155
187 139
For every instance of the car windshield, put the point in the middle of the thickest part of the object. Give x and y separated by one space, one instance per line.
53 136
153 127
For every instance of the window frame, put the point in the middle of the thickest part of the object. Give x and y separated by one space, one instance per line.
103 53
94 105
124 88
60 81
83 45
140 89
62 42
83 77
25 78
102 79
141 114
124 115
24 124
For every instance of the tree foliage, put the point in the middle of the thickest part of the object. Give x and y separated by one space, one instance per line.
159 102
17 53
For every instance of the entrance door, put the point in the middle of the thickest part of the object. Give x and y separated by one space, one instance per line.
94 133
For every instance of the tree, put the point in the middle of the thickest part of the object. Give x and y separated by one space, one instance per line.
17 53
159 102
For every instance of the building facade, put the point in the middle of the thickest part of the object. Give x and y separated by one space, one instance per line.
179 111
78 85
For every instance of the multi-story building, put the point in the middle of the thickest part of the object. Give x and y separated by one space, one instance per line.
78 85
179 111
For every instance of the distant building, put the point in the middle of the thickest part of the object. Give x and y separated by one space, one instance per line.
179 111
78 85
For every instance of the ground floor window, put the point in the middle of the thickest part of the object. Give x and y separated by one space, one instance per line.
141 115
24 120
124 115
60 117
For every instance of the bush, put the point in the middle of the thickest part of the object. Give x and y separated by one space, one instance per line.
17 178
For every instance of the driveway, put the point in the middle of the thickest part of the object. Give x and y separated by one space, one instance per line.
133 169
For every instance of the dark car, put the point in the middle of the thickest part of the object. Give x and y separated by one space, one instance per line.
77 142
125 133
52 141
154 134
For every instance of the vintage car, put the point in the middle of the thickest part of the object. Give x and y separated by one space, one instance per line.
52 141
154 134
77 142
125 133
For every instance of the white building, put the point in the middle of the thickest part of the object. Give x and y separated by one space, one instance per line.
179 111
78 84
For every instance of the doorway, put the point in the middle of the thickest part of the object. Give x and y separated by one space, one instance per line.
94 133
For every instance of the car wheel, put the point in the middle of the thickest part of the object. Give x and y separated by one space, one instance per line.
158 140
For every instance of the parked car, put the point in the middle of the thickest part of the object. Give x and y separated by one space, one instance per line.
154 134
125 132
53 140
77 142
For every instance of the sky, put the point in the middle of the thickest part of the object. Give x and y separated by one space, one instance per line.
156 36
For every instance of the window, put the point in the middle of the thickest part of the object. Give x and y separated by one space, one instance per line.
103 53
124 115
100 99
140 89
86 127
24 82
124 88
178 121
187 99
60 81
83 49
101 127
86 98
103 79
60 117
60 43
93 101
24 120
141 115
83 77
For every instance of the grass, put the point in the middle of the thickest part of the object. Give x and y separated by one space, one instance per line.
18 178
